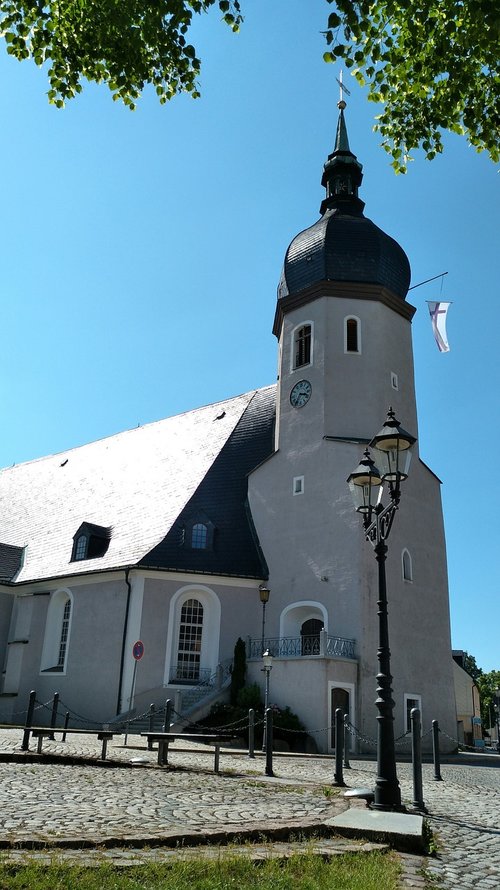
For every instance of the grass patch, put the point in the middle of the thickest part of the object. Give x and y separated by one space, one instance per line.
368 871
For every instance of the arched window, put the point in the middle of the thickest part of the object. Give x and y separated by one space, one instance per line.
199 535
352 334
192 652
190 639
407 566
57 630
302 346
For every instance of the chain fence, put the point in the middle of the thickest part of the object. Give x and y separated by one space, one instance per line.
61 712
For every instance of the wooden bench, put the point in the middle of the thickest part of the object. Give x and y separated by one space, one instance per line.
164 738
46 732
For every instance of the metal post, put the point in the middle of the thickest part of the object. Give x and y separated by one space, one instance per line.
266 707
338 778
66 722
416 757
269 741
347 764
251 734
152 710
53 716
387 790
168 715
435 751
29 721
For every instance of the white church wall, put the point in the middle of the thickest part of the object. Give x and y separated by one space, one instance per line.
231 609
89 683
303 685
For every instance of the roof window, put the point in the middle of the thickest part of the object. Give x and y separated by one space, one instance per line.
90 541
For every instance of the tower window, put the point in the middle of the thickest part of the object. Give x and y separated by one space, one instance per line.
407 566
302 346
394 380
352 335
298 485
412 700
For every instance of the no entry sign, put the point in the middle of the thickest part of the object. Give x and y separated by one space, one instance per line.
138 650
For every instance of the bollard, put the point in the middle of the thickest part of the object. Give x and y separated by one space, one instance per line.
269 742
29 721
66 721
53 716
435 751
152 710
338 778
347 740
168 715
251 734
416 758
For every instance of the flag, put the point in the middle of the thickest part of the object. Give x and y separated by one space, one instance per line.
438 312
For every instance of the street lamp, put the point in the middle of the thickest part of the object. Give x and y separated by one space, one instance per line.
264 598
267 659
392 446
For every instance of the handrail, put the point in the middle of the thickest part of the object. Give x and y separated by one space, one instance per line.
318 645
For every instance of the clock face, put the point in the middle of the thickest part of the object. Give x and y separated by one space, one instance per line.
301 393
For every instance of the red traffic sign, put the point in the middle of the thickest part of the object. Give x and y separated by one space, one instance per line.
138 650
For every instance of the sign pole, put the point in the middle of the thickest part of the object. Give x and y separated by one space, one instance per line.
137 652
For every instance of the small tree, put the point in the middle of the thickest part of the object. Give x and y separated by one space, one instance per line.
239 670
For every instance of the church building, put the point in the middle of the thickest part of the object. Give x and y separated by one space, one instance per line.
172 533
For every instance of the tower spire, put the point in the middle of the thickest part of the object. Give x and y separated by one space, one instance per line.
342 172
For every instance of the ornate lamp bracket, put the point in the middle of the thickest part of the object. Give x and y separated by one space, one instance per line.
377 532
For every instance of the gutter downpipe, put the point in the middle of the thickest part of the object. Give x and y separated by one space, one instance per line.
124 640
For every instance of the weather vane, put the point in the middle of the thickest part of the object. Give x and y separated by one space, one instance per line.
343 89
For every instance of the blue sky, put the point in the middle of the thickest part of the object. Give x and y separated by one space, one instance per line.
141 254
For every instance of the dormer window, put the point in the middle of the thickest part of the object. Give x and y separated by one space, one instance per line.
90 542
197 533
302 339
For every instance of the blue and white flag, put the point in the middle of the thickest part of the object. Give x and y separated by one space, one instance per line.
438 313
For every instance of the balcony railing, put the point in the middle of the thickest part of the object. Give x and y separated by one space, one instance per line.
322 645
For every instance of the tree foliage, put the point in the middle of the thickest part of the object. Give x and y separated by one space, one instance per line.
433 64
124 43
488 684
239 670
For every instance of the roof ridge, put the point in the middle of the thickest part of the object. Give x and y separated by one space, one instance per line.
250 393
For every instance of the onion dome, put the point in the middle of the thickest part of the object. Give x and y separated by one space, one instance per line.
344 246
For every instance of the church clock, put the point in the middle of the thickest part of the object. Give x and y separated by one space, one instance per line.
301 393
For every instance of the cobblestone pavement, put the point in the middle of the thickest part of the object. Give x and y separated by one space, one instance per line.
55 802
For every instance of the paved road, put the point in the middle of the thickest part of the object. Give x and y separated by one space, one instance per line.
52 802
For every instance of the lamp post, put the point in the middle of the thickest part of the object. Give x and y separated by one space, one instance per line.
267 659
264 598
392 446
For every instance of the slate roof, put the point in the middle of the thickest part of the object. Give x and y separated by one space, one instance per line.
11 560
142 483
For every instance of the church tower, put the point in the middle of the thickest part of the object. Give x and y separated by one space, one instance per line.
345 356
